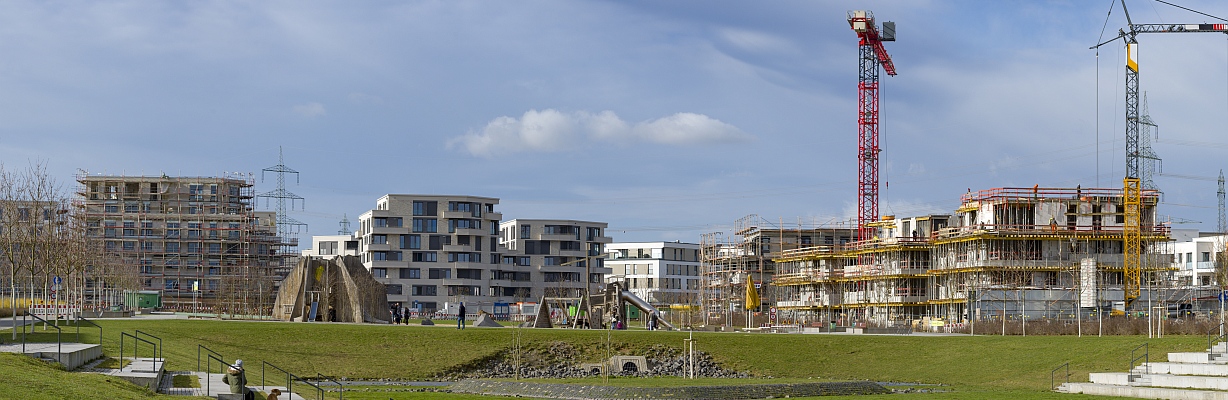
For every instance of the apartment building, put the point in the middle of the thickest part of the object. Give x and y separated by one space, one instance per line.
1033 252
662 273
330 246
555 255
1194 259
197 240
431 250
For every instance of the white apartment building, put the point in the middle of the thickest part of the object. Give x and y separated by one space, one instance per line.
661 273
555 254
430 250
1194 259
329 246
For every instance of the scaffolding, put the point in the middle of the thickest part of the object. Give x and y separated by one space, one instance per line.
197 240
1005 253
728 258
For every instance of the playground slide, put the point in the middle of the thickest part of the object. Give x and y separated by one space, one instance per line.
643 305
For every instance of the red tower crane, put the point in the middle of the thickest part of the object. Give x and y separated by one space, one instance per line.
872 55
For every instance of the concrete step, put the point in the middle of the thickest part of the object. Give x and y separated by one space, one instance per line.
1196 358
1161 380
1101 389
1183 369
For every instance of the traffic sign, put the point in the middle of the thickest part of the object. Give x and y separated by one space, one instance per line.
57 280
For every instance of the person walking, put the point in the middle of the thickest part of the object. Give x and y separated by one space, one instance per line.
460 317
236 377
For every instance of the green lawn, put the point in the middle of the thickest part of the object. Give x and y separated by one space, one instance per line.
970 367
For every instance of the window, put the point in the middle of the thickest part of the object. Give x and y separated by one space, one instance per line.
411 241
386 256
463 273
569 245
380 222
425 256
422 290
392 288
439 273
422 207
379 239
328 248
454 224
1205 256
379 272
551 261
537 247
463 290
425 225
594 233
172 247
411 273
465 257
525 231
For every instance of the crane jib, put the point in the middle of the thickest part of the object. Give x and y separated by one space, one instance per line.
1173 28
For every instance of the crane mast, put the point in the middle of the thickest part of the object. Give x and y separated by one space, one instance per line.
1132 246
871 55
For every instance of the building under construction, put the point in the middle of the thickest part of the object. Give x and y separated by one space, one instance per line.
197 240
727 259
1005 252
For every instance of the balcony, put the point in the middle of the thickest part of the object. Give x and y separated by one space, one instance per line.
458 215
472 232
601 239
562 268
557 236
493 216
573 253
379 247
395 230
462 282
458 248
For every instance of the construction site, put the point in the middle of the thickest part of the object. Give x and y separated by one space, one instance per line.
196 240
1008 253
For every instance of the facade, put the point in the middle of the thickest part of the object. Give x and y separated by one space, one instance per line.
1039 252
1194 260
186 233
555 255
329 246
664 274
434 250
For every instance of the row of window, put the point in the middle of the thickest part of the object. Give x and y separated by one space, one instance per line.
470 273
432 290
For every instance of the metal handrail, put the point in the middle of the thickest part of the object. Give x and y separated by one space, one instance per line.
1052 381
290 378
158 355
201 346
1144 357
208 370
1211 341
320 377
80 320
59 343
135 348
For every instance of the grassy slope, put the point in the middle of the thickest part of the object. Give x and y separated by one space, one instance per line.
27 378
989 365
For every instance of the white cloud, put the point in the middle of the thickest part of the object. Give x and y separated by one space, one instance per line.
551 130
310 110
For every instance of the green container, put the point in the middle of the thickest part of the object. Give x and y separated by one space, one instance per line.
142 299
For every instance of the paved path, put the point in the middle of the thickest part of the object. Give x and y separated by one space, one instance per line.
211 385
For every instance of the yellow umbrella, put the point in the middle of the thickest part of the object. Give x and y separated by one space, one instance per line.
752 295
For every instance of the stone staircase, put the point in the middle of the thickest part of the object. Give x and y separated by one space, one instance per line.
1200 376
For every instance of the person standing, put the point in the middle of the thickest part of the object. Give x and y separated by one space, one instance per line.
236 377
405 315
460 317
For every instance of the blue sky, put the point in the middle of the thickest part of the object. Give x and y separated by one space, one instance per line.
665 119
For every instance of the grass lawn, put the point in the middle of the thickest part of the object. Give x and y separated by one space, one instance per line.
969 367
27 378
